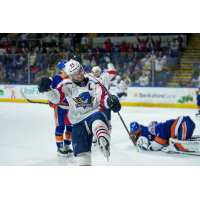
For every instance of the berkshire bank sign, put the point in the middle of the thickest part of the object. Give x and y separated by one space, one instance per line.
154 95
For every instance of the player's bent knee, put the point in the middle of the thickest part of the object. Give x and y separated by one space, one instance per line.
84 158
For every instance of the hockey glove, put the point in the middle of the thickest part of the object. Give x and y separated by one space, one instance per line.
113 103
125 94
107 58
52 105
44 84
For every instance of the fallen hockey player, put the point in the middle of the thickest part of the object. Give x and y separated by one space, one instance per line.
173 135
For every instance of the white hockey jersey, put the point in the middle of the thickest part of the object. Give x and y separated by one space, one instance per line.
83 101
121 86
108 75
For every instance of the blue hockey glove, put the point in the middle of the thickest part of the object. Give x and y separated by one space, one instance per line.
113 103
107 58
44 84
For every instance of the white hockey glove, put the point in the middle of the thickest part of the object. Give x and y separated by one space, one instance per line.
107 58
143 143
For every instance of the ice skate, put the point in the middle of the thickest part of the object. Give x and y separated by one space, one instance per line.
62 152
69 150
105 147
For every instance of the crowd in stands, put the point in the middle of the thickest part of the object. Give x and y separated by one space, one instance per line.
146 63
14 67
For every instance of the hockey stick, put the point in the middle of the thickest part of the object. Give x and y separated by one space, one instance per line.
30 101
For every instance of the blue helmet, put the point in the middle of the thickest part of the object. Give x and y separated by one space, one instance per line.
134 126
61 64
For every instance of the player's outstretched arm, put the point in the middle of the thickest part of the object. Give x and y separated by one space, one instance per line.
53 95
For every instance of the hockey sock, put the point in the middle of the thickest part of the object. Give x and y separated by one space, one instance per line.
68 135
59 136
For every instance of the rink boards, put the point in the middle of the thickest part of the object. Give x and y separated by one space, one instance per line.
137 96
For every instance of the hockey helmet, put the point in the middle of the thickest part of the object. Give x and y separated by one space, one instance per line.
97 68
61 64
72 67
134 126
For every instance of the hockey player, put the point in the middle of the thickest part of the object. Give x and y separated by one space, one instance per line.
85 95
198 99
138 130
121 87
59 112
181 128
105 78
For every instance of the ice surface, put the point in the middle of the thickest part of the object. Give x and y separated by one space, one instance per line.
27 137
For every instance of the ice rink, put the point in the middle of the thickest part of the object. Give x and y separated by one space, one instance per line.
27 138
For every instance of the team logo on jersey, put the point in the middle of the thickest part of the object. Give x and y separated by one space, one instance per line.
84 100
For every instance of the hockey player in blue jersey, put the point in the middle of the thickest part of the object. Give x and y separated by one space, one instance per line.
60 111
198 99
181 128
86 98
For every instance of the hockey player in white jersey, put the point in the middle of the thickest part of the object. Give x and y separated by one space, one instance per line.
121 87
105 78
85 96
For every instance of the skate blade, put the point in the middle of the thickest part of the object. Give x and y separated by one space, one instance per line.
105 152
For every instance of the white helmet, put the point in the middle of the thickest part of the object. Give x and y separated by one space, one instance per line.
97 68
118 77
72 67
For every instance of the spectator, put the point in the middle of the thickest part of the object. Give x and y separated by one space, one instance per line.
180 41
15 68
147 61
18 51
135 74
55 40
93 62
21 60
159 63
32 58
135 57
116 50
174 45
39 60
13 39
3 77
20 79
2 67
130 50
7 46
124 67
48 40
97 54
127 80
69 50
143 80
24 49
183 83
130 67
108 45
143 43
7 59
53 50
14 59
156 44
12 79
42 46
123 49
118 69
